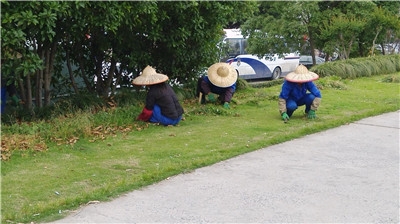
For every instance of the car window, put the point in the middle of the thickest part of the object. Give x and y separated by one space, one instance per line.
305 59
320 60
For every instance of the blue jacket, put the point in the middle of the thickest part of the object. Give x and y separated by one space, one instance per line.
296 91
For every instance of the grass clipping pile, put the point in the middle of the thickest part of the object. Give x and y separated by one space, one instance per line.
33 143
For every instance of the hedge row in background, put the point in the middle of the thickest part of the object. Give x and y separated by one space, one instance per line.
359 67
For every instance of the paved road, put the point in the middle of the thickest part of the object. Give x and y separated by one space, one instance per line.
342 175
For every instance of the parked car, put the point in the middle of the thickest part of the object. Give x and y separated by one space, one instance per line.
250 67
306 60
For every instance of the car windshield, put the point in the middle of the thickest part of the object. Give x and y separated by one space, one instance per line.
308 59
305 59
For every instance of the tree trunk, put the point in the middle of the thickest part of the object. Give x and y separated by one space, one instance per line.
110 78
343 51
22 89
39 88
117 79
39 78
71 75
50 57
360 49
312 46
28 103
383 49
327 55
88 84
46 74
99 83
349 48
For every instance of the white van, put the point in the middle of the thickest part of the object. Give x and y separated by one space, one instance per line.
251 66
234 43
268 67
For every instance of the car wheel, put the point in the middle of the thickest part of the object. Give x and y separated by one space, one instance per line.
276 73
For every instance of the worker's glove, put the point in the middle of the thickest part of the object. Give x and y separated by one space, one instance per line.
15 100
211 98
145 115
285 116
311 114
226 105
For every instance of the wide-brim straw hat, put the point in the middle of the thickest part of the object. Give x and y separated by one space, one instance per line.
222 74
301 75
149 76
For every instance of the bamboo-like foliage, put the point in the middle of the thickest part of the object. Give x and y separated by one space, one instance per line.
359 67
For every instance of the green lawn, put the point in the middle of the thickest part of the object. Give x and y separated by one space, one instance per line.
43 186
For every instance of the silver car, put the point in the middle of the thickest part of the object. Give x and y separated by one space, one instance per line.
306 60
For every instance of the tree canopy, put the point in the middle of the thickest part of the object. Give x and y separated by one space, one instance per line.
57 47
96 41
346 28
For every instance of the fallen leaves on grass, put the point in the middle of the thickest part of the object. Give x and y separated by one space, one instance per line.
10 143
13 142
102 132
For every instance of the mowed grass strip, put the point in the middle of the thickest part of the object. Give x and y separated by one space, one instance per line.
43 186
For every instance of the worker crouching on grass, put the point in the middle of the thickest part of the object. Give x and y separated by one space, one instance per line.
162 105
298 89
220 80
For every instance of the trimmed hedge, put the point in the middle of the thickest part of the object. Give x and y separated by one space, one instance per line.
359 67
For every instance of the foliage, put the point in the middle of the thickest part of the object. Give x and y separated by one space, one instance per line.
385 29
241 84
267 84
122 107
359 67
341 29
271 32
62 106
35 24
331 82
94 46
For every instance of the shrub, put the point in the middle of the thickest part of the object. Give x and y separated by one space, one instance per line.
241 84
268 84
332 82
359 67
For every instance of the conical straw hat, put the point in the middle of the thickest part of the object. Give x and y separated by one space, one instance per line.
222 74
301 75
149 76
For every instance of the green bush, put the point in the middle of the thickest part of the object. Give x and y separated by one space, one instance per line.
359 67
129 96
268 84
332 82
241 84
396 61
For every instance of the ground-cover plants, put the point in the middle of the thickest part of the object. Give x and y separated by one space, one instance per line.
40 186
